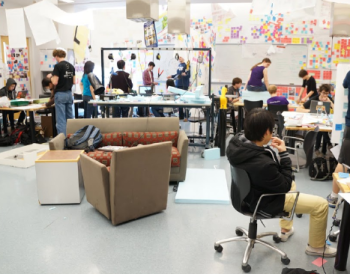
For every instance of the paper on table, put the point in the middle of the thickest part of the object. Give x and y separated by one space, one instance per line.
16 28
43 28
344 181
345 196
336 150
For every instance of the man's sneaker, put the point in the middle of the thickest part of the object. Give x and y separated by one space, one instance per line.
328 251
285 235
332 201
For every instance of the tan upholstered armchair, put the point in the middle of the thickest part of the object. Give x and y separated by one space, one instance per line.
135 186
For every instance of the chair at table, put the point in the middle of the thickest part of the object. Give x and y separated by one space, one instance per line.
240 188
136 185
308 147
46 111
249 105
277 108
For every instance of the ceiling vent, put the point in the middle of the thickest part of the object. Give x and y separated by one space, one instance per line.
340 22
179 16
142 10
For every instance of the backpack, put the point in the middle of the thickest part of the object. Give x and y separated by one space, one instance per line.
321 169
17 133
87 138
5 141
23 135
287 270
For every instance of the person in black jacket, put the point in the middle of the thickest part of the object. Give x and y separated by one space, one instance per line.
120 79
10 91
272 173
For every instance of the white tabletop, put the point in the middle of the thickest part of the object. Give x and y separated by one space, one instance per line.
293 118
149 102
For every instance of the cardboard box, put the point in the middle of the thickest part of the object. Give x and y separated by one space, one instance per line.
46 125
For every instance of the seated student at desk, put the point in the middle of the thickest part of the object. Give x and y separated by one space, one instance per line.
323 96
234 90
344 155
309 83
270 174
10 91
276 100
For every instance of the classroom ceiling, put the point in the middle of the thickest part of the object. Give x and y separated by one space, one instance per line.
24 3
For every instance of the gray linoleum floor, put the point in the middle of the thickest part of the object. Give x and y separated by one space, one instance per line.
76 239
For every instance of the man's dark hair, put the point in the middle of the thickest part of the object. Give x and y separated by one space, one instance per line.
120 64
46 82
236 81
88 67
303 73
151 64
325 88
170 83
257 122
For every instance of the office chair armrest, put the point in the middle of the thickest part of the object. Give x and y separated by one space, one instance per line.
294 138
275 194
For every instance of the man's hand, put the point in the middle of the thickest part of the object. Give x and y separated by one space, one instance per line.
168 77
49 75
183 74
279 144
303 100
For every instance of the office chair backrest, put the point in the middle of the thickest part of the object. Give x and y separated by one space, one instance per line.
309 143
249 105
280 123
240 187
276 108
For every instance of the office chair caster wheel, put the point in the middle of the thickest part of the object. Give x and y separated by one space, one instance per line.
299 215
285 261
218 248
276 239
246 268
239 233
336 222
333 238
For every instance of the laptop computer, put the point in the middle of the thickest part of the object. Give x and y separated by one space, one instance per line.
318 107
146 90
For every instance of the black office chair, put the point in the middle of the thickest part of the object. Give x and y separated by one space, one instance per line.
277 108
280 124
46 111
240 188
308 147
249 105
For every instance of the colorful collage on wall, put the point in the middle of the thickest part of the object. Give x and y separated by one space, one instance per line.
17 66
320 54
341 51
47 61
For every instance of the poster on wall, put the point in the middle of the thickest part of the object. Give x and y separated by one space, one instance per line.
17 67
150 35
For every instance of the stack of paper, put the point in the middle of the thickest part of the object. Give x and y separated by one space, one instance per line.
345 181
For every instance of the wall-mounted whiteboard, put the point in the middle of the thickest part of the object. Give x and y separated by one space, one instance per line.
234 60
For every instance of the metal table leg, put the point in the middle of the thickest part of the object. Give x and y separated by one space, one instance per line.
240 119
32 126
207 129
222 131
76 111
53 118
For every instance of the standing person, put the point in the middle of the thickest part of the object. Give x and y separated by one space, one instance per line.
182 81
276 100
10 92
88 91
148 80
271 174
63 77
309 84
323 96
120 79
257 74
344 155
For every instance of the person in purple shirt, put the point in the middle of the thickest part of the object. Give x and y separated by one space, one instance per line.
276 100
258 72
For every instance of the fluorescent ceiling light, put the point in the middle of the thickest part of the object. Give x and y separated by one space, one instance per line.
67 1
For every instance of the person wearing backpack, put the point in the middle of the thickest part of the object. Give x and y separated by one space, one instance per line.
63 77
344 155
10 92
120 79
88 91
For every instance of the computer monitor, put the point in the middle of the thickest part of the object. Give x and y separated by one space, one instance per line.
320 107
146 90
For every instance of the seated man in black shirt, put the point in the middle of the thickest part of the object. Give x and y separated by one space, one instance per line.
271 174
323 96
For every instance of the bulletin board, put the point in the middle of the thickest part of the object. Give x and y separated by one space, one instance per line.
17 65
231 61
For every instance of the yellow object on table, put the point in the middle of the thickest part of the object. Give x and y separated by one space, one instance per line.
223 99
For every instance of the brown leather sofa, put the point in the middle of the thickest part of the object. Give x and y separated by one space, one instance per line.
132 125
135 185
